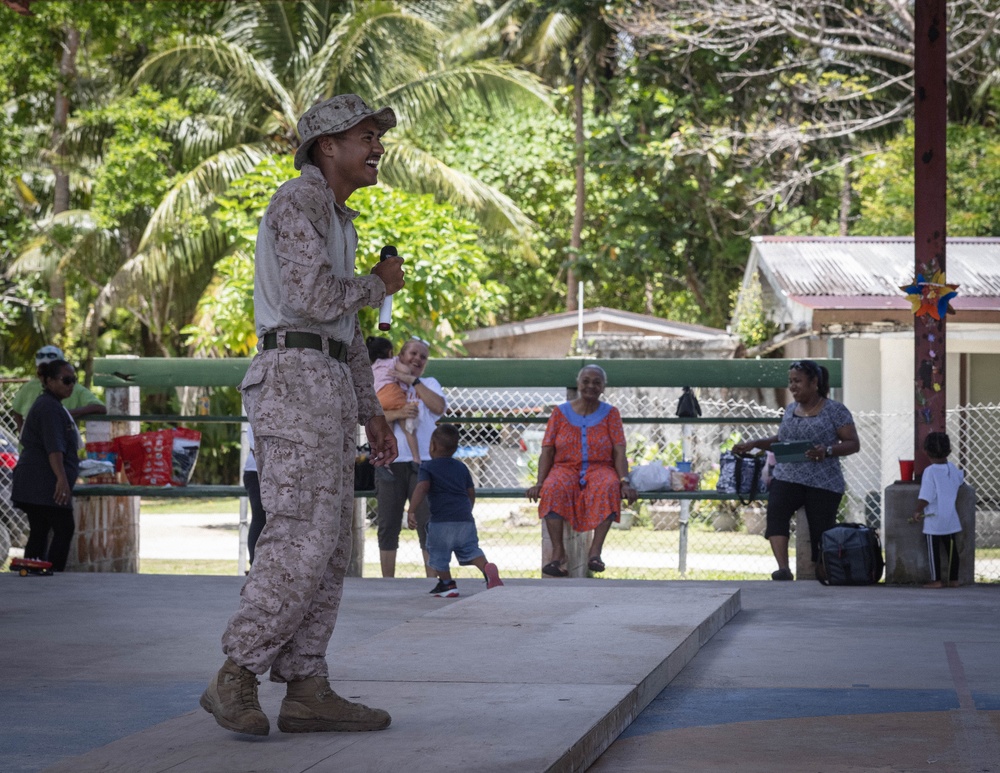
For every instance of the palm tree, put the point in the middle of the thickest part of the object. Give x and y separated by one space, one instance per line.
568 43
267 62
261 67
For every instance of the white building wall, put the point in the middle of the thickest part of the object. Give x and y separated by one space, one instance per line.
981 342
969 338
897 409
862 374
953 378
891 391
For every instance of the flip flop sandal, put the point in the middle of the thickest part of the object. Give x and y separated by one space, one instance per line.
595 564
552 569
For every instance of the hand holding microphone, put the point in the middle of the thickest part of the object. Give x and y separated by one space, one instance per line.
390 270
385 311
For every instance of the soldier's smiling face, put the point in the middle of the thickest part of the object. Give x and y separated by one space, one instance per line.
356 154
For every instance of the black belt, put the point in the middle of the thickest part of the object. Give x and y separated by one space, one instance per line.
298 340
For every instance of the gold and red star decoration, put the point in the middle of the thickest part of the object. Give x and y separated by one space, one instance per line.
930 295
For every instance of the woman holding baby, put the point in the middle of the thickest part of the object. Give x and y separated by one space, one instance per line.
425 403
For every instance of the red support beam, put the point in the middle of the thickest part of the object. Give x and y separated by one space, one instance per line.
930 213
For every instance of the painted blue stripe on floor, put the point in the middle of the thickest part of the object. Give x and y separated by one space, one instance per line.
677 708
985 701
80 716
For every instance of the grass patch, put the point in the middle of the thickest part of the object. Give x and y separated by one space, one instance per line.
406 571
643 539
220 506
187 566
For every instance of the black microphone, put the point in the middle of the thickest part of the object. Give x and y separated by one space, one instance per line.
385 312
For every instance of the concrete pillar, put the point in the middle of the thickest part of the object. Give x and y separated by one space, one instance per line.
107 528
805 569
356 566
906 559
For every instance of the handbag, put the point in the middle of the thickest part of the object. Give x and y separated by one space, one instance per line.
741 475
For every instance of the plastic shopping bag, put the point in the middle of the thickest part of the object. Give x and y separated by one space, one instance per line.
650 477
184 454
165 457
104 451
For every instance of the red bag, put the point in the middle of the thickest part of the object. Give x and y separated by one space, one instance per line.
162 458
147 458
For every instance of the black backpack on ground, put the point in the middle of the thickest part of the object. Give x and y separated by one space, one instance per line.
850 554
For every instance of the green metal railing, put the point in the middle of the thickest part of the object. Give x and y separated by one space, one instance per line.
161 374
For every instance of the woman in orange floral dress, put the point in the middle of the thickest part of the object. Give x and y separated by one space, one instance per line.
582 470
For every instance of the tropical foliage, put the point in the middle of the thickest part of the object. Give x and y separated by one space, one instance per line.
885 184
237 89
444 292
541 143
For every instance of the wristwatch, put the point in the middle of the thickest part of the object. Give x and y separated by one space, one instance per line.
416 381
829 451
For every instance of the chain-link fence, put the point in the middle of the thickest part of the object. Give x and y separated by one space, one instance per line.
13 523
724 539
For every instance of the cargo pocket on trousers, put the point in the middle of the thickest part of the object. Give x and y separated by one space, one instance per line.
263 596
287 478
286 501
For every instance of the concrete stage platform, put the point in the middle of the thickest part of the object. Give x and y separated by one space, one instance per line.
102 672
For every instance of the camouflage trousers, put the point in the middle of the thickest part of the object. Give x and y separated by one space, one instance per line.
303 411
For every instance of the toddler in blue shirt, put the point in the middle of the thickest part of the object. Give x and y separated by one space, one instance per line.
447 483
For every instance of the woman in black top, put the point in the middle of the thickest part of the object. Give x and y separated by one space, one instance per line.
48 467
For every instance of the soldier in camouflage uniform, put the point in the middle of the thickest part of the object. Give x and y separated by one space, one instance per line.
306 390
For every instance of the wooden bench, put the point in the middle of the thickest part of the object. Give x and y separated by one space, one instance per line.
224 491
214 491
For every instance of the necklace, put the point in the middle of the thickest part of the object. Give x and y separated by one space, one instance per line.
812 410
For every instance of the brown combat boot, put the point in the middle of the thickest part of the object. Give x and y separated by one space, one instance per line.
310 706
231 698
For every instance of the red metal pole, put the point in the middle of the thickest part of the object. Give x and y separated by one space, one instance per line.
930 213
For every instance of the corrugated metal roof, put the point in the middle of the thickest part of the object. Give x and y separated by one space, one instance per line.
871 266
644 324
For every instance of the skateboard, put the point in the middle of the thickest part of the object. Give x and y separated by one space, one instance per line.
26 566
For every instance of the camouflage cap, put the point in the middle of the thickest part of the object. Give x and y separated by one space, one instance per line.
335 115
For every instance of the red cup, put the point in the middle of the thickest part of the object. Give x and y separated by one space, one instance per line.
905 469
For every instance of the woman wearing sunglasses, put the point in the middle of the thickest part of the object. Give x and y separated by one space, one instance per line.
81 403
48 467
